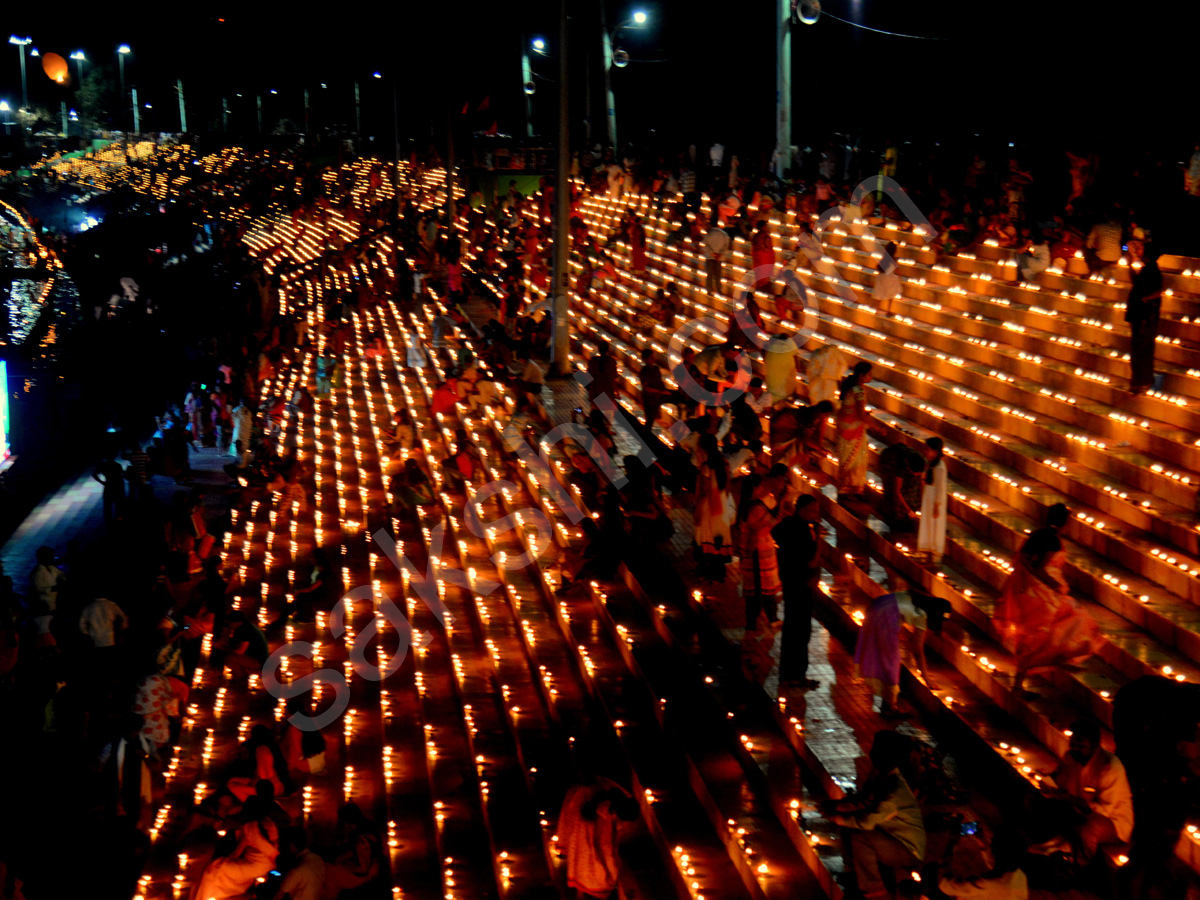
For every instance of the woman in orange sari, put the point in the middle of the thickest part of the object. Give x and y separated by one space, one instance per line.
1037 619
852 432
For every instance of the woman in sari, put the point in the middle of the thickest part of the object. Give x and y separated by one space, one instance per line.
852 433
759 559
1036 617
637 245
713 541
877 652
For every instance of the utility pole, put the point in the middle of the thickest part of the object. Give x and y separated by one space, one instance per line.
306 110
224 113
610 100
357 110
561 356
182 108
783 86
137 121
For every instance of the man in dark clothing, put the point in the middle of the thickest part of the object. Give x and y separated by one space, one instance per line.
798 537
111 474
1141 312
603 371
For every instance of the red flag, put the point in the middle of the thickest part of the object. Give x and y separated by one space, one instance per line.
485 104
466 108
495 129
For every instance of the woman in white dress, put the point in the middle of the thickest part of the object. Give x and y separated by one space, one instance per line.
931 537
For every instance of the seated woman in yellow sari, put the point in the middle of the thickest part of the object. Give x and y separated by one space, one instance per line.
852 433
1037 619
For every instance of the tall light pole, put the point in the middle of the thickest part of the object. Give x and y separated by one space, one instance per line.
182 108
610 60
561 355
21 44
80 59
122 52
4 108
527 85
783 86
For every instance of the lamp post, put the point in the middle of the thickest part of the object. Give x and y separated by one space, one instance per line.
527 86
5 108
21 44
122 52
783 86
80 59
561 355
610 60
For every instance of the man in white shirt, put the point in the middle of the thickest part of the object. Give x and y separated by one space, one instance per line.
1094 780
306 877
888 832
716 245
102 620
45 578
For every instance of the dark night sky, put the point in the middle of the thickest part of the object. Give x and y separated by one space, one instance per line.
1033 73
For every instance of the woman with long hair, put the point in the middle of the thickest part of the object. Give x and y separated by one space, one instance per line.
931 535
852 432
1037 619
714 544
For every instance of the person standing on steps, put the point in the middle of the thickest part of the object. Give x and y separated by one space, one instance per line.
1141 312
602 368
799 538
716 246
931 534
852 433
887 283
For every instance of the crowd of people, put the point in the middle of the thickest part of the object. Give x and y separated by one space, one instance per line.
756 523
98 656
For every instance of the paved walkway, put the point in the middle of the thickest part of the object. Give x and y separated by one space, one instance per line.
74 512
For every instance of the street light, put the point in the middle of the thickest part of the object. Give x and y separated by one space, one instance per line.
620 59
4 108
80 59
21 43
527 86
122 52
